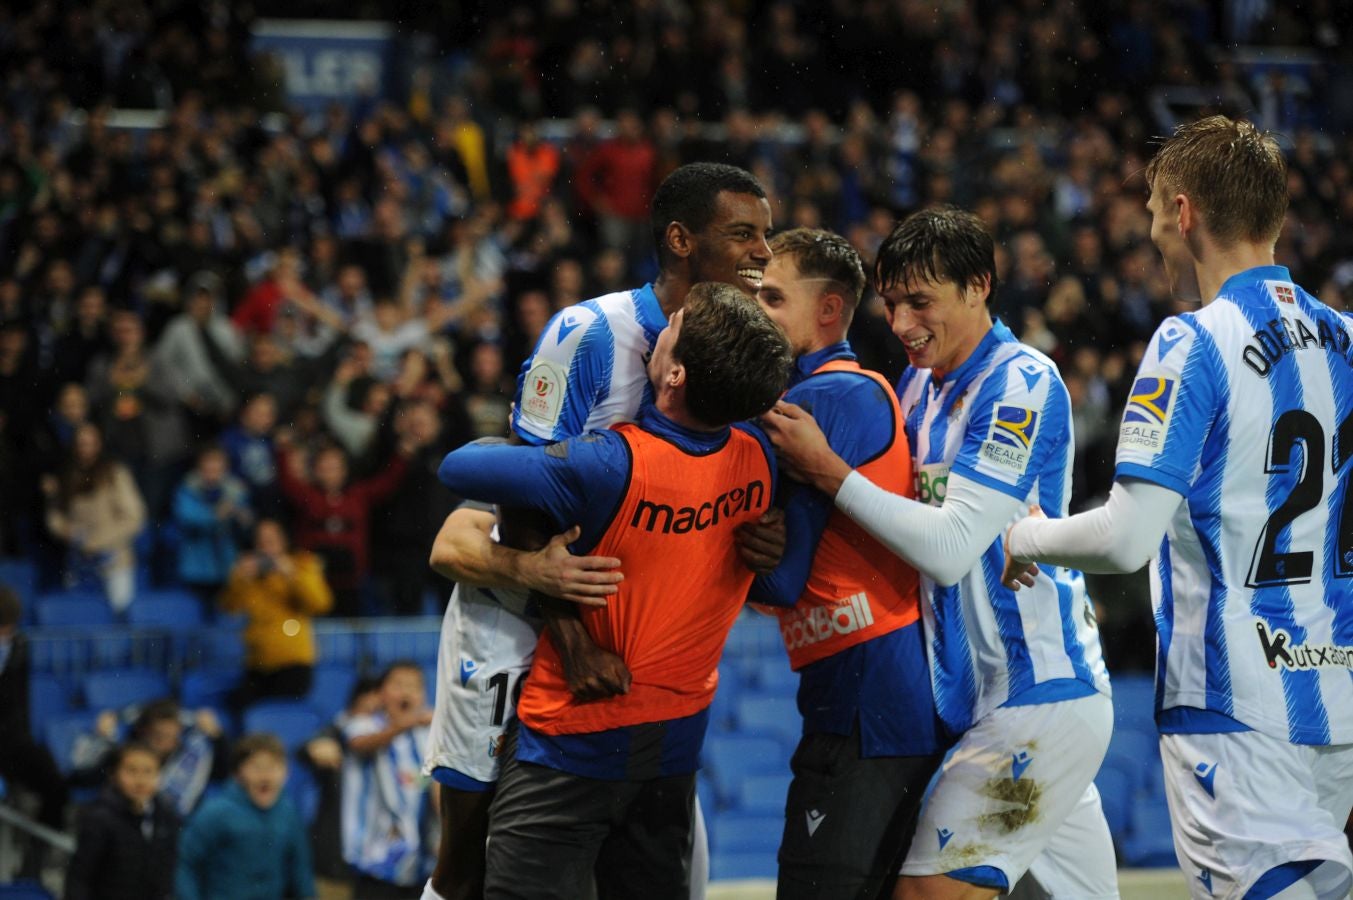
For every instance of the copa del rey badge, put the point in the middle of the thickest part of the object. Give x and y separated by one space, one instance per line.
542 394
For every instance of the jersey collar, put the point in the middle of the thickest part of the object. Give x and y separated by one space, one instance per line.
997 334
810 362
687 439
1250 277
649 310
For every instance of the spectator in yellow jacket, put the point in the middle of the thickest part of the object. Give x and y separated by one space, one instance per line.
278 591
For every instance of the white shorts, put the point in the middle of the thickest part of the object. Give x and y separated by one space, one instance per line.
1244 803
1017 794
487 644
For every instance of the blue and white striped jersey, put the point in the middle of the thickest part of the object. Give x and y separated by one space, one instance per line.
389 824
1246 409
588 369
1002 419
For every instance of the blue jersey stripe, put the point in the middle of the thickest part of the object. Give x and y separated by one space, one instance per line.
1205 508
1335 578
1075 651
955 680
1164 619
1018 666
1301 690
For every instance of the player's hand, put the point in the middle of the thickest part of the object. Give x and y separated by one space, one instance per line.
802 448
594 673
1019 574
761 544
555 572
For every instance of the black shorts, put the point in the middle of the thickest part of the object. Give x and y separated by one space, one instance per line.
848 821
551 831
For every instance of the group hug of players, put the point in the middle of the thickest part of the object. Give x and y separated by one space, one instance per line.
709 440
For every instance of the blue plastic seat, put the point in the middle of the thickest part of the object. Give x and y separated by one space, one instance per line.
330 689
172 609
739 832
1150 841
24 890
61 732
1115 795
292 721
770 716
763 794
116 688
1134 703
728 759
208 687
386 647
48 696
1133 752
334 646
219 647
71 608
742 866
774 676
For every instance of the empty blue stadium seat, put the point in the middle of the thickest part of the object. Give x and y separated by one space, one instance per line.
770 716
1150 842
728 759
747 833
386 647
334 646
737 866
330 689
61 732
1135 753
1115 795
71 608
1134 703
172 609
709 803
763 794
48 696
775 676
116 688
220 647
24 890
754 635
208 687
293 721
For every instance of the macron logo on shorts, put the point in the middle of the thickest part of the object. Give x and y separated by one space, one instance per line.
467 669
1205 774
945 836
814 819
1018 763
1205 877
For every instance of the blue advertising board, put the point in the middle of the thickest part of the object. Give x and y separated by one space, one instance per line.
328 61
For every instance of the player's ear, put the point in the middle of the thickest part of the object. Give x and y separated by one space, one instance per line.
830 307
977 292
678 239
1187 214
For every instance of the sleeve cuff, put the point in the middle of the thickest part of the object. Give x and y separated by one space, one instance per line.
1154 476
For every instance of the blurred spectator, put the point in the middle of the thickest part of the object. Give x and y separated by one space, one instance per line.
189 745
211 510
249 446
389 823
488 397
617 181
95 509
532 165
126 841
248 841
24 761
323 755
278 591
333 515
181 349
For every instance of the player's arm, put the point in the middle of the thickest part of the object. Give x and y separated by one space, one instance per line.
464 551
367 736
1160 443
1118 537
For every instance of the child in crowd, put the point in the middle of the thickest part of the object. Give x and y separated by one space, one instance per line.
127 839
248 841
211 510
388 824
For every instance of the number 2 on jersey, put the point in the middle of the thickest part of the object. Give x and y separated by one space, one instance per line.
1269 567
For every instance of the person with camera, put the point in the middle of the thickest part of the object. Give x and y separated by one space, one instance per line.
278 591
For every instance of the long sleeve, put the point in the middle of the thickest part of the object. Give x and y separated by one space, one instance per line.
1120 536
303 496
309 591
943 543
353 429
192 515
129 514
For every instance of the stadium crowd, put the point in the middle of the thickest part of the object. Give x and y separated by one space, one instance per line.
207 324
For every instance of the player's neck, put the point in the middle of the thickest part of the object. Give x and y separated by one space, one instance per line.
1222 263
671 402
671 291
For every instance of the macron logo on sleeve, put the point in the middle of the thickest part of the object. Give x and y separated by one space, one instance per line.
567 325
